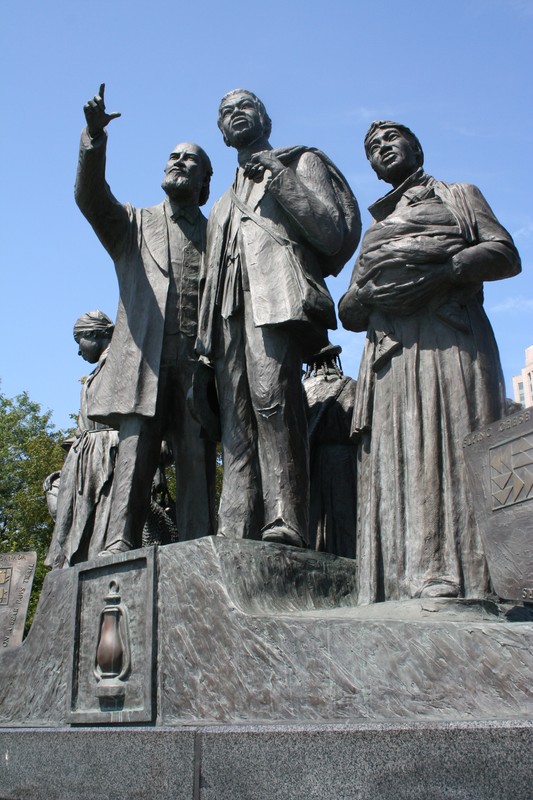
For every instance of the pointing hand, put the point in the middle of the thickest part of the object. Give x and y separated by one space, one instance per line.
95 114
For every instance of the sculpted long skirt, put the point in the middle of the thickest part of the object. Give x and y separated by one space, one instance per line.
83 503
416 531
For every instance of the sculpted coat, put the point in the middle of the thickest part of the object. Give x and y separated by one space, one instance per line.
137 241
265 307
305 225
157 253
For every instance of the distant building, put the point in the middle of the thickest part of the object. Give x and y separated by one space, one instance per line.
523 383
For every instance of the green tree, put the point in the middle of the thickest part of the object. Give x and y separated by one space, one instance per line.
30 449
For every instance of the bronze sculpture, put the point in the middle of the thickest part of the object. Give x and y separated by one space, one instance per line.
329 398
289 220
430 373
157 253
83 501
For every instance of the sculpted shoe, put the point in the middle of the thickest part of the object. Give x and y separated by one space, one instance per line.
436 588
115 549
281 535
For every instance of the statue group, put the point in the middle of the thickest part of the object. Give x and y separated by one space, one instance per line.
233 307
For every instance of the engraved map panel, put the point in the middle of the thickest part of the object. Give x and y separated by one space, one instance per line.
511 472
5 581
16 578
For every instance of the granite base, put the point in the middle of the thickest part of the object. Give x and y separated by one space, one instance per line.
488 760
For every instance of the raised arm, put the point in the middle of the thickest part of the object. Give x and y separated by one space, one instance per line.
109 218
96 116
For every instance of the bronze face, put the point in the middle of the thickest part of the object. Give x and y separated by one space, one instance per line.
392 155
89 349
239 120
185 172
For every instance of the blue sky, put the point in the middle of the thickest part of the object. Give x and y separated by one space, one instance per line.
459 73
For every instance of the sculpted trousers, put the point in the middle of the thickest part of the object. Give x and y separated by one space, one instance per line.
139 451
264 428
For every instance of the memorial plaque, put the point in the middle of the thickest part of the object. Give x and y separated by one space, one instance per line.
112 657
16 578
499 459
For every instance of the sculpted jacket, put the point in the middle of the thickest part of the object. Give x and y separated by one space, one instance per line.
137 241
304 224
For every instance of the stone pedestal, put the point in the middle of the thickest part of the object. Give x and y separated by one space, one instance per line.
407 761
254 675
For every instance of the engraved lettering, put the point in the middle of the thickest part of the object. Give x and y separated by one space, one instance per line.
16 575
477 436
513 422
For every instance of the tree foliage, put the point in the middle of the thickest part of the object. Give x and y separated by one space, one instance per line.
30 449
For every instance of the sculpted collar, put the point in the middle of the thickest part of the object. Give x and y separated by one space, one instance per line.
385 205
175 211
